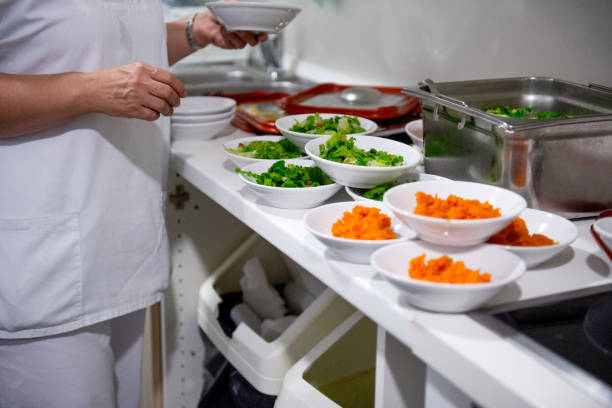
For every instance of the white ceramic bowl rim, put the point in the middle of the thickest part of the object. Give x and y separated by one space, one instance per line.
282 124
298 161
437 220
515 274
321 140
331 237
600 227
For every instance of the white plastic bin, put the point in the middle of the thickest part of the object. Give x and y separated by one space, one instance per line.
264 364
337 372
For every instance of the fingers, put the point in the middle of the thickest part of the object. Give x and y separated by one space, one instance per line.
169 79
231 39
247 37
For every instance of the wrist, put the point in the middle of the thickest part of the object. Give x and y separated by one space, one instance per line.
194 36
85 94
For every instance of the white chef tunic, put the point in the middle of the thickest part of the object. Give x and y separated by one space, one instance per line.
82 234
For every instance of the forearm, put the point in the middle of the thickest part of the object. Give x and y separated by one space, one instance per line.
29 103
178 47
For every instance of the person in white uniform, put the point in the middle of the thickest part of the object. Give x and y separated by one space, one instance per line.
83 156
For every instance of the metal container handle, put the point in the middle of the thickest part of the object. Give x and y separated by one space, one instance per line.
457 105
599 87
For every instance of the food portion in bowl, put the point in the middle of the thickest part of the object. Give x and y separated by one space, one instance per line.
357 241
376 193
308 130
341 149
317 125
453 207
438 294
465 225
266 149
289 184
363 223
517 234
289 176
445 270
543 236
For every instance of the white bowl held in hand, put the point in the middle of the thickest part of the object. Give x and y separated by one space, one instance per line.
319 221
300 139
365 176
357 193
393 263
286 197
402 201
557 228
242 161
252 16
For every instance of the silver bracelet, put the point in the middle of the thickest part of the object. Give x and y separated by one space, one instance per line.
189 33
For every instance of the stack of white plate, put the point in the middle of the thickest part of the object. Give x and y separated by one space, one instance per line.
201 117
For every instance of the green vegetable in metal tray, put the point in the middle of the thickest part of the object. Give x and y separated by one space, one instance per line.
316 125
525 113
342 150
289 175
265 149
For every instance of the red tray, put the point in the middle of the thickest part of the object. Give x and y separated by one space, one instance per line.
294 103
257 123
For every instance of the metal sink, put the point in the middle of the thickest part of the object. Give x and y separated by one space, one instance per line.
228 79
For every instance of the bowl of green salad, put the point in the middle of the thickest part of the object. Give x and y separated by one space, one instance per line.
375 194
362 161
254 149
294 183
300 129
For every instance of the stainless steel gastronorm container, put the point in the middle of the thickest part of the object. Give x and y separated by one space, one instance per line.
562 165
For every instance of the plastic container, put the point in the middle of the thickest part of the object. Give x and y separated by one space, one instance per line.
338 372
264 364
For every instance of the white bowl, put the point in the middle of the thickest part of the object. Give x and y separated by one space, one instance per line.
402 201
204 105
319 221
365 176
553 226
182 119
414 130
283 197
603 228
393 263
198 131
356 193
251 16
300 139
242 161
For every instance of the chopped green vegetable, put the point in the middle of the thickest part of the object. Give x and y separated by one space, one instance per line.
316 125
265 149
342 150
377 193
525 113
290 175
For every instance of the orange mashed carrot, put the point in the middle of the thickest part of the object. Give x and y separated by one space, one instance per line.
444 270
453 208
517 234
363 223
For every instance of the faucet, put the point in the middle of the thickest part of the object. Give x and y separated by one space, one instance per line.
272 52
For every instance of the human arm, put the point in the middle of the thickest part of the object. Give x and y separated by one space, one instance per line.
30 103
206 30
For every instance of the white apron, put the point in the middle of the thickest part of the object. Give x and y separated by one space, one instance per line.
82 234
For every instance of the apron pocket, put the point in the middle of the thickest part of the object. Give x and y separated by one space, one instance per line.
40 272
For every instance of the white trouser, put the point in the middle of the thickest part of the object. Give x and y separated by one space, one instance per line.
96 366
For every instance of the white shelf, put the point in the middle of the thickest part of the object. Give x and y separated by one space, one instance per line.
487 365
